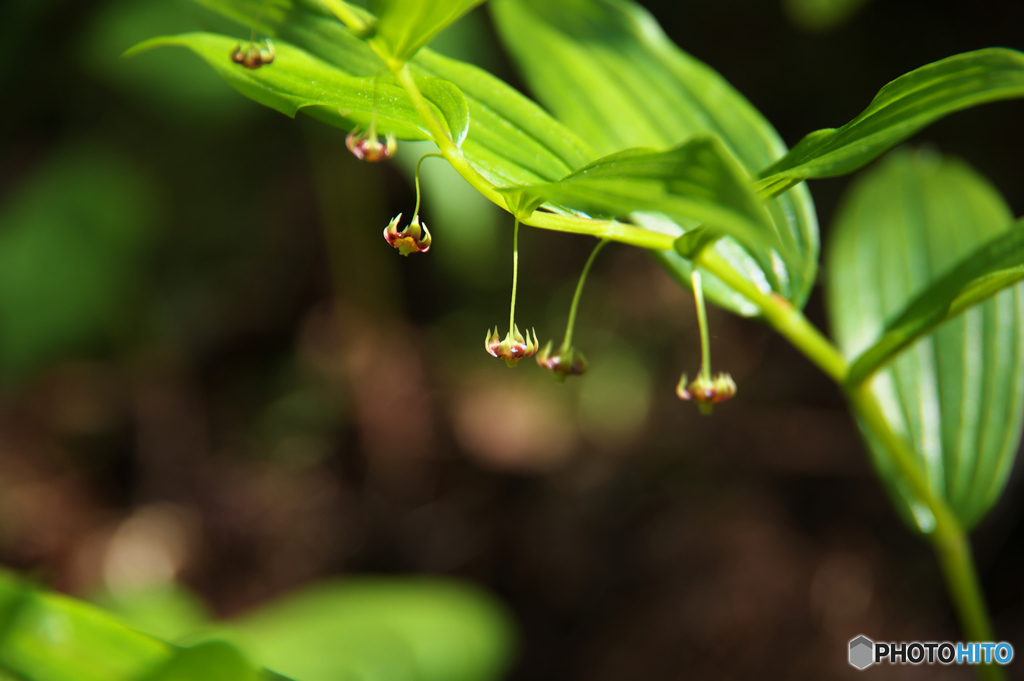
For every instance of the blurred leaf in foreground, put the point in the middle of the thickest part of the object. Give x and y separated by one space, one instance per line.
415 629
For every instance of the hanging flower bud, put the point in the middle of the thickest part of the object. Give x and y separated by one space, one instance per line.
513 348
706 392
253 57
563 362
368 147
413 239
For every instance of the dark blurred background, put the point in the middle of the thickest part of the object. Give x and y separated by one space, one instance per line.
214 372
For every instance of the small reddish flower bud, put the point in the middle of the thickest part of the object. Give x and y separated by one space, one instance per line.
413 239
369 147
563 362
706 393
253 57
513 348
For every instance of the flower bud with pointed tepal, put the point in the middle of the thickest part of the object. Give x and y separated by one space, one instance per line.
706 391
563 362
513 348
368 147
413 239
252 56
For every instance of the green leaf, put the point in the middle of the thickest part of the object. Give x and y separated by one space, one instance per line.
510 140
415 629
407 25
298 80
900 109
908 234
607 71
49 637
993 267
697 182
207 661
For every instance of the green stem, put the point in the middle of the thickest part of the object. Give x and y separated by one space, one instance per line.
602 229
781 314
571 325
515 278
349 17
948 537
416 175
702 324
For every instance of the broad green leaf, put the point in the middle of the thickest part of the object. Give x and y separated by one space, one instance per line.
993 267
607 71
49 637
958 393
697 182
414 629
167 612
298 80
207 661
899 110
510 140
405 26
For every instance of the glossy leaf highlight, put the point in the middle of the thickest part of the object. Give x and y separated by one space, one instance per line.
606 70
958 393
510 140
405 26
697 182
993 267
298 80
899 110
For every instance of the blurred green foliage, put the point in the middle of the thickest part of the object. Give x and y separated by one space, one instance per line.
73 244
415 629
401 629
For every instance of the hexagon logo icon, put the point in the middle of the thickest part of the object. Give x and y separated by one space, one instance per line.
862 651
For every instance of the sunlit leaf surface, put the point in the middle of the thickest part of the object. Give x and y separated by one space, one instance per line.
510 140
697 182
298 80
899 110
956 393
995 266
407 25
606 70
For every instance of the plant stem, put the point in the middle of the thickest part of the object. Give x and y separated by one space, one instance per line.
416 175
571 325
515 278
603 229
702 324
947 538
781 314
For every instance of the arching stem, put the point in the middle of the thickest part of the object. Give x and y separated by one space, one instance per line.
702 323
417 179
571 325
515 276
